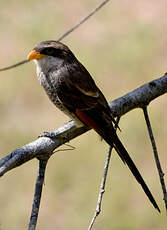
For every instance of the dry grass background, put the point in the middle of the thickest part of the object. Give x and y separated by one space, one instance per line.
123 46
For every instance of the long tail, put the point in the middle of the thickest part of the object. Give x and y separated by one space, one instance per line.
127 160
94 119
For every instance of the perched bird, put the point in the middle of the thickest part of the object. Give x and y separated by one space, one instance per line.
72 89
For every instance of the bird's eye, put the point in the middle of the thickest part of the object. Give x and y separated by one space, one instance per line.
49 51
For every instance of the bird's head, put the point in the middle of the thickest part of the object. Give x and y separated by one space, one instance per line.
50 53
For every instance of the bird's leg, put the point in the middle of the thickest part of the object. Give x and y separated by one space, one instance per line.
66 135
53 135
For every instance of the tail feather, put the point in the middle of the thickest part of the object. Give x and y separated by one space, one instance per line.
96 120
127 160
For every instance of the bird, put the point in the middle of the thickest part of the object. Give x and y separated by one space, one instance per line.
71 88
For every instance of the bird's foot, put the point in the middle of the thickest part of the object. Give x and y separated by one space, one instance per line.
48 134
54 135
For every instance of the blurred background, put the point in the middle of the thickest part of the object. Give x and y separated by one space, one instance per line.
123 46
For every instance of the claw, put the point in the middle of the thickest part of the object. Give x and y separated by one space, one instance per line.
47 134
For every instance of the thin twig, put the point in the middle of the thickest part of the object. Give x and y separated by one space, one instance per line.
15 65
156 157
83 20
70 30
102 189
103 182
70 147
38 193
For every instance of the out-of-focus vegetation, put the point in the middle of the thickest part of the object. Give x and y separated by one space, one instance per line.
123 46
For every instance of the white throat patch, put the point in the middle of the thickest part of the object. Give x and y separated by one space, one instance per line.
46 63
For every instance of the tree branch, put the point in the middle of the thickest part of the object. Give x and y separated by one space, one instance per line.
84 19
102 189
136 99
156 156
38 193
139 97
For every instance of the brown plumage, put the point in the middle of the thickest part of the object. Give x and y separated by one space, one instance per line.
72 89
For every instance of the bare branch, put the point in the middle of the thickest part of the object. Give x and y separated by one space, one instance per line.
102 189
38 193
40 147
103 183
15 65
156 157
139 97
84 19
135 99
